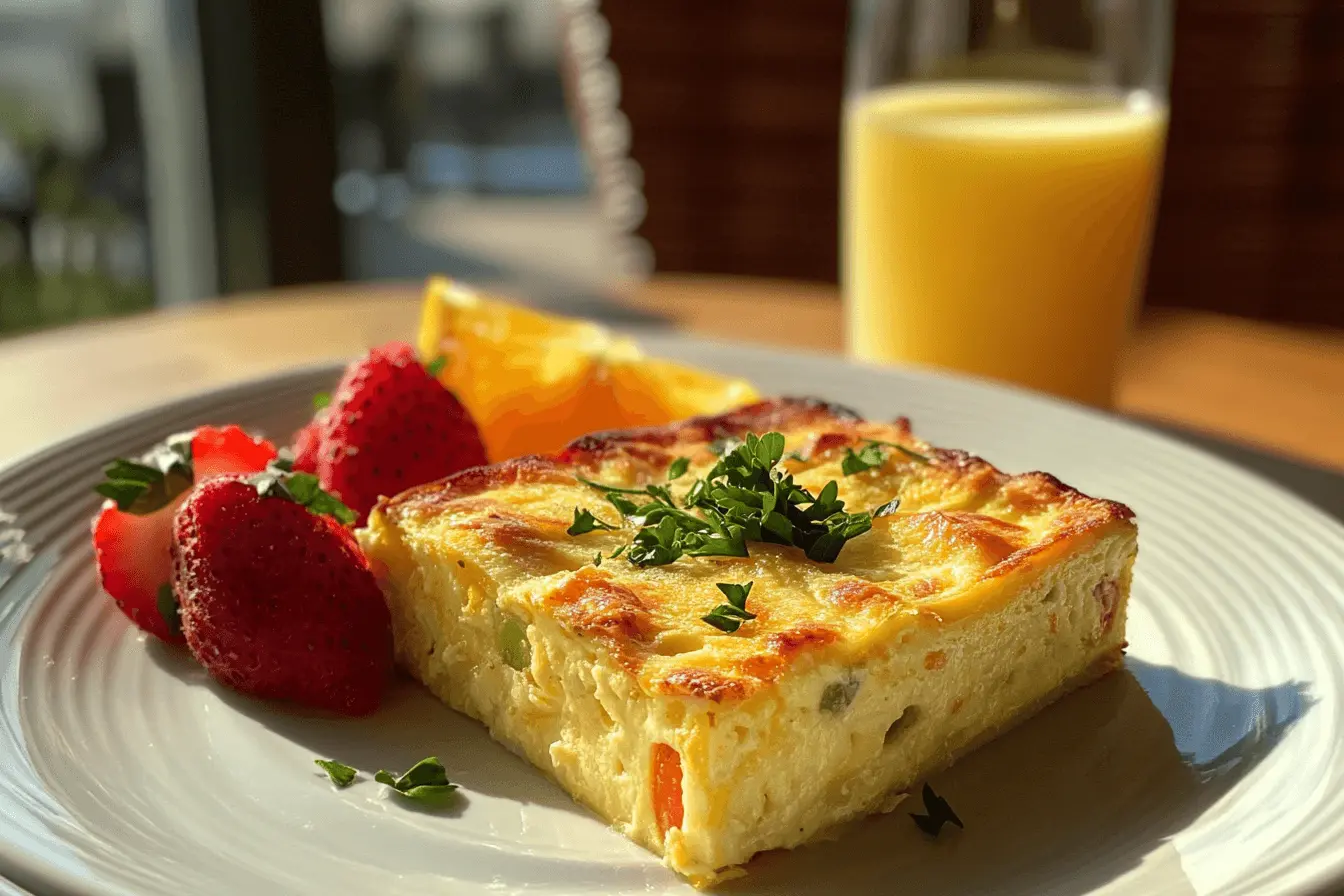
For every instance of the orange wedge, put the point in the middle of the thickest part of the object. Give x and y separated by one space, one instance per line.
534 381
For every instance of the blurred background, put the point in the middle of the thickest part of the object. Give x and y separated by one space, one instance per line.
162 152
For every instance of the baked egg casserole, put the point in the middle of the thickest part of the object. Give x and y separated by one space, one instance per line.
833 687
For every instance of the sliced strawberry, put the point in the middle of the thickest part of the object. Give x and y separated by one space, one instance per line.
216 451
132 551
132 531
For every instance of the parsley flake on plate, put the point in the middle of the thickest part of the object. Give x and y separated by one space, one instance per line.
341 774
939 813
425 782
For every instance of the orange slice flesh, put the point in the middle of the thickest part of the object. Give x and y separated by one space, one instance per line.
534 382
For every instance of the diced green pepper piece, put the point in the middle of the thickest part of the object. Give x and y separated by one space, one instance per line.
837 695
513 646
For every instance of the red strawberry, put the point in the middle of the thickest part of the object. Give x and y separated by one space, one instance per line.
390 426
276 599
307 441
132 531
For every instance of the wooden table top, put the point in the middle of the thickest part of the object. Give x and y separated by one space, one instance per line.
1275 387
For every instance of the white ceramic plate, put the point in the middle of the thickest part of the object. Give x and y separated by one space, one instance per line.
1212 764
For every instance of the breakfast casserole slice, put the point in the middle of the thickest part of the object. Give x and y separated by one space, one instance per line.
825 678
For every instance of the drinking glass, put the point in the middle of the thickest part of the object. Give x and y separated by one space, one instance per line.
1001 166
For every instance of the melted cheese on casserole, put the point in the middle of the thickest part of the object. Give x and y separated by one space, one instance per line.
962 528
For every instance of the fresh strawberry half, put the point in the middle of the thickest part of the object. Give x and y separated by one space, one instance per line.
392 425
133 530
276 599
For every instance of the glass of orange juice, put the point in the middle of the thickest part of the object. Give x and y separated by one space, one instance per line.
1001 166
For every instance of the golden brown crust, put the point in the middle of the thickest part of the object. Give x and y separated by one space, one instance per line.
592 604
433 496
775 414
854 594
706 684
750 673
996 540
1026 491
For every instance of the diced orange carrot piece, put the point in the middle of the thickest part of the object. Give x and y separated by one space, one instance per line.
667 808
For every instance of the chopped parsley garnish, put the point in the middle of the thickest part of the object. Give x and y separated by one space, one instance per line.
585 522
911 453
871 455
435 367
341 775
730 616
678 468
939 814
321 400
152 482
744 498
887 509
866 458
624 506
620 489
426 781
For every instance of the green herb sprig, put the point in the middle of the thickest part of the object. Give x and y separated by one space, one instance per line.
585 522
598 557
425 782
730 616
939 813
887 509
745 497
871 455
341 774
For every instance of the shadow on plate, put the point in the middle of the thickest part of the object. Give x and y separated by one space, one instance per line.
1083 794
411 725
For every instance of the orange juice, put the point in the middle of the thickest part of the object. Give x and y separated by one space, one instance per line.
999 229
